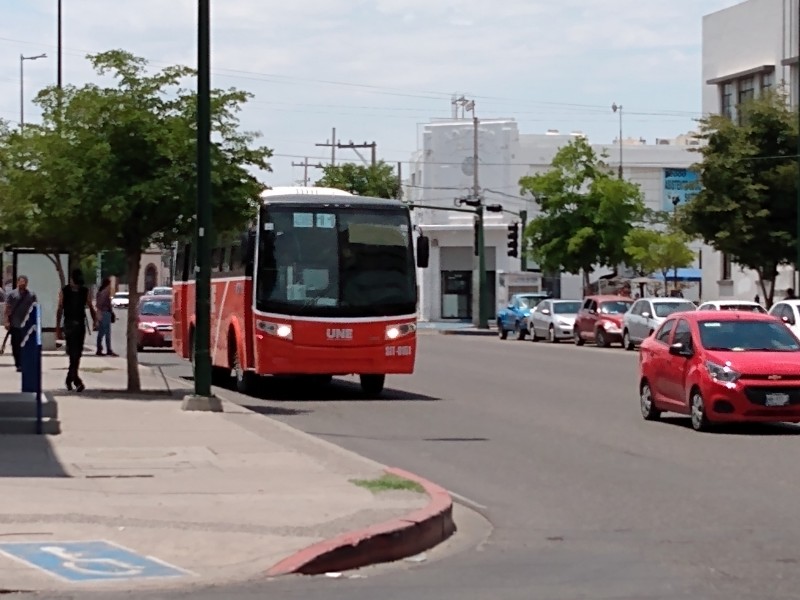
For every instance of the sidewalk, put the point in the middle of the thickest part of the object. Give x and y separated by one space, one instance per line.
185 498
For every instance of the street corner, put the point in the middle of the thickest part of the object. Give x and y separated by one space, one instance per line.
388 541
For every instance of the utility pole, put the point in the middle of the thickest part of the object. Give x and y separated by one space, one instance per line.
305 164
355 147
59 50
331 145
399 180
618 108
203 399
523 245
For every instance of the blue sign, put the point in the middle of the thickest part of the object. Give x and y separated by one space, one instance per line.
81 562
680 184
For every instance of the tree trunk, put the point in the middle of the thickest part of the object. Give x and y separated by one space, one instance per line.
587 286
665 273
56 260
133 261
767 287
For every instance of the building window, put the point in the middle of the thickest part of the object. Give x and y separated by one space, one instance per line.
726 267
747 89
767 80
727 100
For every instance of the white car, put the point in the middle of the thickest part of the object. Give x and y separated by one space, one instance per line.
745 305
646 315
160 291
788 311
120 300
553 320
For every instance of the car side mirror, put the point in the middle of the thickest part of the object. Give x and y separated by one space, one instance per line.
423 251
678 349
646 315
510 306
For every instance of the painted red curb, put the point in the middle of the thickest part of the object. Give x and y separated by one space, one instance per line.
385 542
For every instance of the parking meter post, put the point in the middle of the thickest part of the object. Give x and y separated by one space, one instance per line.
523 245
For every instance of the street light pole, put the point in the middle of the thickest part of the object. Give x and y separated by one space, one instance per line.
618 108
203 399
59 53
22 60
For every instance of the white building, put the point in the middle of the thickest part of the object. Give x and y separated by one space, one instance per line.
746 48
443 171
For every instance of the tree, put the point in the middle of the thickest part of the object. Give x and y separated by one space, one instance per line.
115 167
377 180
585 212
747 205
649 251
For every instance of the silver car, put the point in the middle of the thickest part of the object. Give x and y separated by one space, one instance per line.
646 315
553 320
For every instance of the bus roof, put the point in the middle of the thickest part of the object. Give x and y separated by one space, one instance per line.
295 195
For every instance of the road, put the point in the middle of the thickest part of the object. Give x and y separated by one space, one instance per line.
587 500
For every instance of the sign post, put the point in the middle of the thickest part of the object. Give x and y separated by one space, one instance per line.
32 359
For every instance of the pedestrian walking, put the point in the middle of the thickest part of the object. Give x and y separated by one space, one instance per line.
18 302
106 317
73 300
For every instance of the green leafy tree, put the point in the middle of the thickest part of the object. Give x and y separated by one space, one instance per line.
747 205
115 167
585 212
379 180
649 251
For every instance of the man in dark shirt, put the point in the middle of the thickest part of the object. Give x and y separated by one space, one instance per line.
18 303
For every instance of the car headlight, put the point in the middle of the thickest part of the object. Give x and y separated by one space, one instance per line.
281 330
148 326
722 373
394 332
609 326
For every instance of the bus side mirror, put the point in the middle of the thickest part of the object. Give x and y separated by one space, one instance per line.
423 251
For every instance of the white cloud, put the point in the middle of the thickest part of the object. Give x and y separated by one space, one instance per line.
534 51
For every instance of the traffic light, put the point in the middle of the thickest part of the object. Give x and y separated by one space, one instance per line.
513 239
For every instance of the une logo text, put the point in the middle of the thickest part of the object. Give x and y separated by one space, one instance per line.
339 334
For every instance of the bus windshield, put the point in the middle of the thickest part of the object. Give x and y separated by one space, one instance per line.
336 261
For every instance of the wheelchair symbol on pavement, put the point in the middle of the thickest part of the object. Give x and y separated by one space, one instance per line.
78 562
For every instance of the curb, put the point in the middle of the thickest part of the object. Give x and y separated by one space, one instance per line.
386 542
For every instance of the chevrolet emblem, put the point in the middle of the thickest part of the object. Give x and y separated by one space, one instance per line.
773 377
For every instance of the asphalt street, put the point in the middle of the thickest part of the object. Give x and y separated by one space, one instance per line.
587 500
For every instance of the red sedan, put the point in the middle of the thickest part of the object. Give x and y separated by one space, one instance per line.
721 367
154 322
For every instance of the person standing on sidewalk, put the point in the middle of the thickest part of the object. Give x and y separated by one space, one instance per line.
73 300
106 315
18 303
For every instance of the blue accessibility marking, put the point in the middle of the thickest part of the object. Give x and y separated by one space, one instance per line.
79 562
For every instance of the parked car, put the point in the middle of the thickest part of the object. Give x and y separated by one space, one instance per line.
745 305
788 311
514 317
720 367
553 319
600 320
646 315
120 300
160 291
154 322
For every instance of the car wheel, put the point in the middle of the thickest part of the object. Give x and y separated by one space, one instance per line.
501 332
626 341
646 403
579 341
551 335
700 421
520 331
532 329
600 339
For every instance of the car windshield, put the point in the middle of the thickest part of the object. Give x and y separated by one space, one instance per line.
121 295
566 308
156 308
615 307
329 261
757 308
744 336
665 309
161 291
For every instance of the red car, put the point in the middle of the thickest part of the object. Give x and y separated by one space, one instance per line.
600 320
721 367
154 322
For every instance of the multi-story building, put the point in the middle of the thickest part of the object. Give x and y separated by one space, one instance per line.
442 171
747 48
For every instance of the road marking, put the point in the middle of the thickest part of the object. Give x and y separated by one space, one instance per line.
467 501
90 561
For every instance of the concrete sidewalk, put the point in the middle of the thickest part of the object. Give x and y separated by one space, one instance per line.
210 497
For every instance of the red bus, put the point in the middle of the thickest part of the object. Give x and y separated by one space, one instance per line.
322 284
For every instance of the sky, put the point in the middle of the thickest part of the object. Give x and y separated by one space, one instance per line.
377 70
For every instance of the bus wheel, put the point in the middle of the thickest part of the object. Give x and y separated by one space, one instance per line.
372 385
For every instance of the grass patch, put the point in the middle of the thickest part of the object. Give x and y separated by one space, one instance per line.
389 483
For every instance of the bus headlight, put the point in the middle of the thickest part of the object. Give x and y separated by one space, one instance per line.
394 332
282 331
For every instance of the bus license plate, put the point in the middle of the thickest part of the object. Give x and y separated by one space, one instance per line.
777 399
167 337
398 350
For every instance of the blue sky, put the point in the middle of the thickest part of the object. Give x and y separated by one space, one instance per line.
378 69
